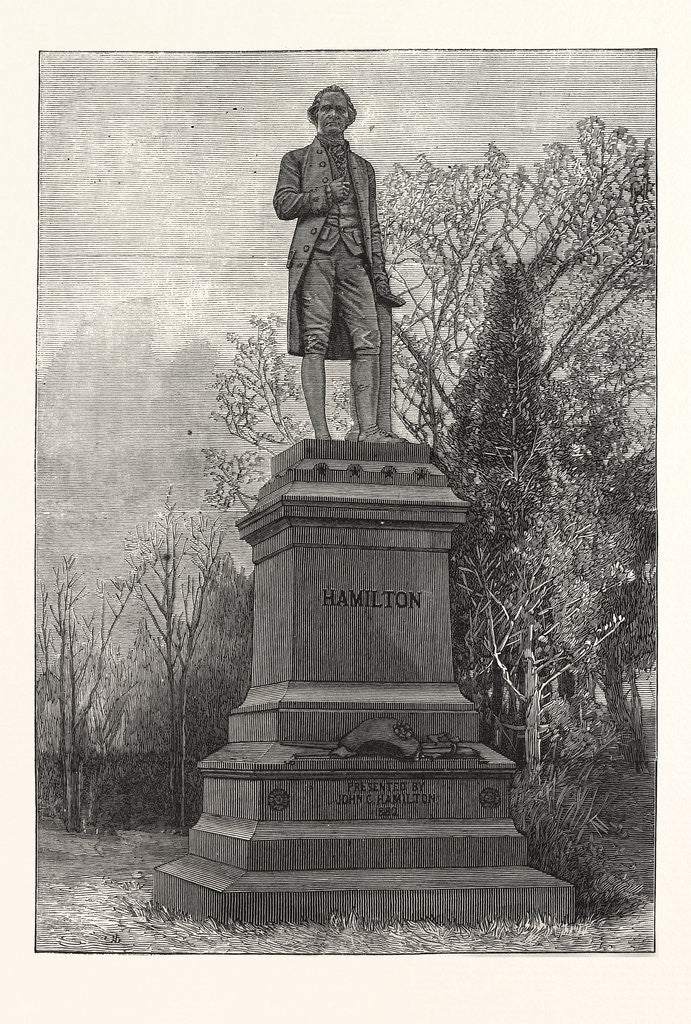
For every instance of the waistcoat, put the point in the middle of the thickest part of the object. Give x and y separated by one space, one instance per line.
343 219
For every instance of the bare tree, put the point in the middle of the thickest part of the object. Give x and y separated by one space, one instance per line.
535 630
581 230
74 652
175 560
260 402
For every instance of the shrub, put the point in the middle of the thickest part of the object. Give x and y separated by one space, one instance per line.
564 813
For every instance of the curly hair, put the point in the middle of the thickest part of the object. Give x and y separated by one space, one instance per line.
312 112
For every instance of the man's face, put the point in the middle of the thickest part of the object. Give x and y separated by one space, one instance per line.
332 116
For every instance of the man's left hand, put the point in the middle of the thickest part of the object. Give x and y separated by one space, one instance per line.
384 294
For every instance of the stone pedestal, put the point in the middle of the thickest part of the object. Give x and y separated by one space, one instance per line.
351 625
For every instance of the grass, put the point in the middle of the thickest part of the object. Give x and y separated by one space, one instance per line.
353 935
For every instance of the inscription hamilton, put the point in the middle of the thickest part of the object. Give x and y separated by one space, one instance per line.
333 598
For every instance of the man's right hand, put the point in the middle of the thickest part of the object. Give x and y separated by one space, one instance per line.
340 189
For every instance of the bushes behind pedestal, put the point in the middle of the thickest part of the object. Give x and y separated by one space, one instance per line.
116 769
570 812
126 790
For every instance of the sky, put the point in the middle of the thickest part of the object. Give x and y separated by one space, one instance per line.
157 235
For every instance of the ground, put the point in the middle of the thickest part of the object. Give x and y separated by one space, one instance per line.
94 895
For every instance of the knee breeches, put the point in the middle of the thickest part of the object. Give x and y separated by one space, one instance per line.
338 281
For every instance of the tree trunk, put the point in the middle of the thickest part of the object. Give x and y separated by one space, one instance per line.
63 764
176 771
72 786
637 751
626 716
183 747
497 705
71 760
532 706
73 816
174 747
63 735
177 765
91 815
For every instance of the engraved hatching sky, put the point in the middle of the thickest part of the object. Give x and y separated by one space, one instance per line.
157 234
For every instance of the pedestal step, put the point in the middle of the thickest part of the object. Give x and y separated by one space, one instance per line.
204 888
350 451
306 846
286 725
277 782
290 712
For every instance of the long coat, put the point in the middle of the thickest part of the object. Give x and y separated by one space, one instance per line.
301 192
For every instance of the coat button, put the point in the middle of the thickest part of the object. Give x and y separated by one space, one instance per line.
320 151
325 180
322 163
306 248
314 231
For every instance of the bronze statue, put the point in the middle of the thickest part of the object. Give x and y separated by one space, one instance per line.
339 298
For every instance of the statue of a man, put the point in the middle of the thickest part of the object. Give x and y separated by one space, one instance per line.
339 297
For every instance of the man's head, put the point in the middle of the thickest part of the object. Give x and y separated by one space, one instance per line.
332 111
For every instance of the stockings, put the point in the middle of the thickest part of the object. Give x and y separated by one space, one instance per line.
364 376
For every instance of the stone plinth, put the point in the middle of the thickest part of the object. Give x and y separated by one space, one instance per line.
350 543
